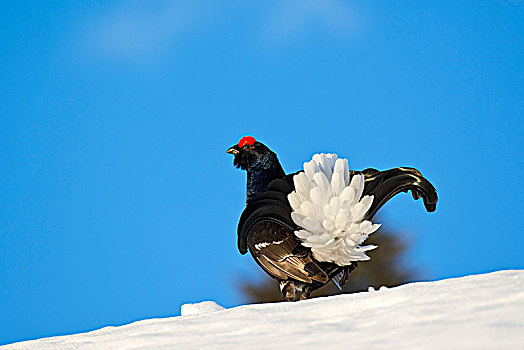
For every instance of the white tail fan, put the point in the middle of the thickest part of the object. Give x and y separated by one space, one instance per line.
328 206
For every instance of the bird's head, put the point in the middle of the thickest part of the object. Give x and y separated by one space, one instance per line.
251 154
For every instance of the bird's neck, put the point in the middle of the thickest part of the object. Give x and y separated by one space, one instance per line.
260 174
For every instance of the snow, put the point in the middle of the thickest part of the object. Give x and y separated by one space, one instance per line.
204 307
472 312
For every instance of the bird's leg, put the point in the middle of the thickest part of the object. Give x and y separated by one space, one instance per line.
306 292
295 291
288 290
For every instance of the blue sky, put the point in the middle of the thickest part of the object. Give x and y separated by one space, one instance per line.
118 200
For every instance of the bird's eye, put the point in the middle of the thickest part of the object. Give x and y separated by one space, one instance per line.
246 147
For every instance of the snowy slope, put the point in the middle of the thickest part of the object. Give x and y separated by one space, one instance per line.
473 312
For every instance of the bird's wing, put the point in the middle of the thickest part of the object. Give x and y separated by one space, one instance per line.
277 251
272 204
266 227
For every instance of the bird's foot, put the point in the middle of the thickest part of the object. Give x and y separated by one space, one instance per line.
294 291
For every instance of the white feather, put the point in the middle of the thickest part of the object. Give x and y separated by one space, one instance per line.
329 208
348 194
323 183
307 209
317 197
294 201
337 182
310 168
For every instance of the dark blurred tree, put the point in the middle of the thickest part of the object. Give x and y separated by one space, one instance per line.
387 267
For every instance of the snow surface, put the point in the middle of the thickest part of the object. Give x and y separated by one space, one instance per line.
473 312
204 307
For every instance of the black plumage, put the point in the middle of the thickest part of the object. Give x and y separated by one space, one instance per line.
266 229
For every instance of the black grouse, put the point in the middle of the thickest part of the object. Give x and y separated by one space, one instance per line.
305 229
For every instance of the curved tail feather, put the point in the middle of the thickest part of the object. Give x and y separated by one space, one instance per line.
384 185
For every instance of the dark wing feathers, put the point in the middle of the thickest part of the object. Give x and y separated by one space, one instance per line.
267 229
275 248
271 204
263 209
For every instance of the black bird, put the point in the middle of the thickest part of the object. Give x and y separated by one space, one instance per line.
305 229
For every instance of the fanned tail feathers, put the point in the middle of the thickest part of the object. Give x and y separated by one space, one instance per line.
329 205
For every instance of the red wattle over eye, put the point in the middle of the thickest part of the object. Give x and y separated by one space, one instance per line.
246 140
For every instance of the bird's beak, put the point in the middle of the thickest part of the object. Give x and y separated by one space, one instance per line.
232 150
